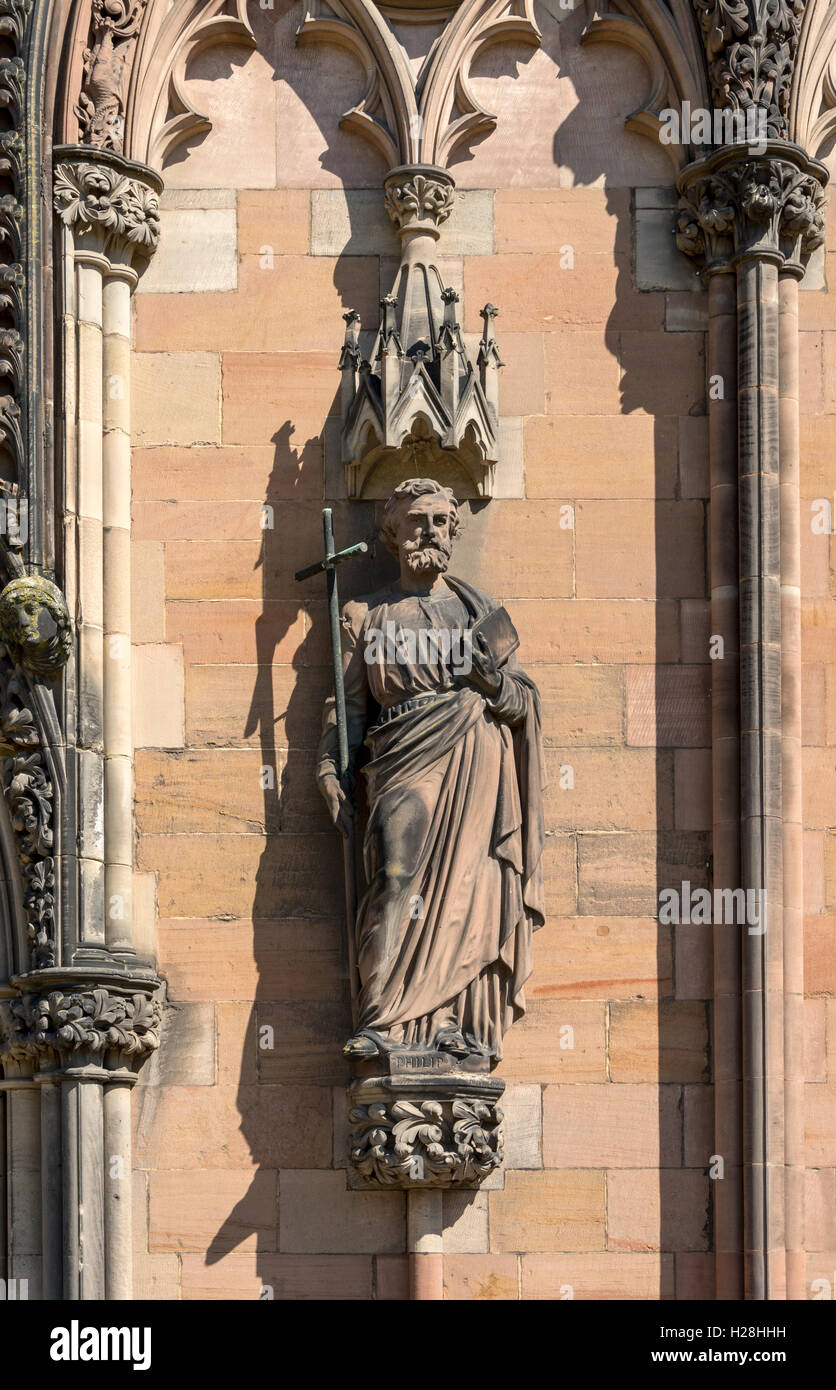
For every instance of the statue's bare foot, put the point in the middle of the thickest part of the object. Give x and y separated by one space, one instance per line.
451 1040
361 1046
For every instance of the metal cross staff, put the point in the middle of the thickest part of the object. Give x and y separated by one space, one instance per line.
329 567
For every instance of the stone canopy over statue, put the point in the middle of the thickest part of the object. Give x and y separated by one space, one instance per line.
454 775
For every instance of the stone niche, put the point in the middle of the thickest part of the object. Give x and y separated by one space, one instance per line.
418 406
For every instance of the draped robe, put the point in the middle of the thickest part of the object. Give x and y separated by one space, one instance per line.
454 837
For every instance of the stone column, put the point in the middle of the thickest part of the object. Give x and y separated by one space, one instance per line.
117 727
791 777
756 216
23 1165
725 744
108 207
98 1014
425 1244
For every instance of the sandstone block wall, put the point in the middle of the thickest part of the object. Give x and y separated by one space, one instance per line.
597 545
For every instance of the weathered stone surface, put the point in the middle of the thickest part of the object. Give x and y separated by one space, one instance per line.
537 294
240 790
319 1215
557 1039
228 473
562 1210
820 1124
465 1222
820 954
186 1055
176 397
639 549
197 252
219 874
157 674
147 591
585 456
225 1208
587 218
582 705
820 1208
229 1127
606 789
391 1276
623 872
582 374
669 706
240 706
667 1041
480 1278
601 630
611 1126
648 1209
607 1275
522 1107
353 222
659 265
601 958
276 220
239 960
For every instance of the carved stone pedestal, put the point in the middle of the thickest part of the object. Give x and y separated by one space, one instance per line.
430 1121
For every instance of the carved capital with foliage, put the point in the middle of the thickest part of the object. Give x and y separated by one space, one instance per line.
110 205
419 198
733 206
90 1024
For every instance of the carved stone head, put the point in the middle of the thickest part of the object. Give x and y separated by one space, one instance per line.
35 623
420 523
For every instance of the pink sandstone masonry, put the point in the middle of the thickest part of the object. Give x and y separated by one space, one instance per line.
600 553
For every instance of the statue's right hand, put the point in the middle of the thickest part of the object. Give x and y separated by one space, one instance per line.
340 808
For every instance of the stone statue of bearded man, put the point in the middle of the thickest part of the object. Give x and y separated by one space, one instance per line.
454 780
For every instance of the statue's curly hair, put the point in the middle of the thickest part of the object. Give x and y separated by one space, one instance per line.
416 487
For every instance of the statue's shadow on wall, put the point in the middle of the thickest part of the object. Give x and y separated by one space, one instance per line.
291 1063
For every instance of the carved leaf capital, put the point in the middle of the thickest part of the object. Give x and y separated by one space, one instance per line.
769 206
91 1022
101 199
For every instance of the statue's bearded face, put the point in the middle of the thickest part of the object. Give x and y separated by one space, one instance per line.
423 534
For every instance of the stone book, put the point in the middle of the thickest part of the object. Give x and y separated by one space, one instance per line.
499 634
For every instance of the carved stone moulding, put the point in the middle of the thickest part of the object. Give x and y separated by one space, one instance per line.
734 205
58 1021
418 404
428 1123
